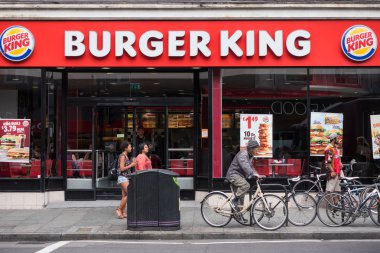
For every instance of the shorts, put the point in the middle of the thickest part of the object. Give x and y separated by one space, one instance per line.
332 185
121 179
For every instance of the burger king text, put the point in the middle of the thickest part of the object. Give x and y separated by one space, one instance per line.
151 43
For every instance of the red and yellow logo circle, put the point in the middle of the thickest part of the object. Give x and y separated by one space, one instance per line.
16 43
359 43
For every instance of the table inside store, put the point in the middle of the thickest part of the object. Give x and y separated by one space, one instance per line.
273 165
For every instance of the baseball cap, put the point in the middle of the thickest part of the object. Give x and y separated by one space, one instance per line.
333 136
252 144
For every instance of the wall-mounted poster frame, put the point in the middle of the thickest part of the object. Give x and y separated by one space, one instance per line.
14 140
322 125
375 133
257 127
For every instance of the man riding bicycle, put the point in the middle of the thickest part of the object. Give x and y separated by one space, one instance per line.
240 169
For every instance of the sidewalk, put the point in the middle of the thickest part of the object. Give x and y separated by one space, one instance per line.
77 220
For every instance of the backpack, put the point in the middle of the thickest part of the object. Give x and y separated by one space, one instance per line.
113 170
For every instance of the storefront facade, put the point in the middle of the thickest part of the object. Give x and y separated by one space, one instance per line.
184 86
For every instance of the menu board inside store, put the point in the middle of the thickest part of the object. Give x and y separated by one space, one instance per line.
14 140
227 120
322 125
180 120
149 120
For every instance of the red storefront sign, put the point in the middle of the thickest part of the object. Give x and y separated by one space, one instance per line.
187 43
14 140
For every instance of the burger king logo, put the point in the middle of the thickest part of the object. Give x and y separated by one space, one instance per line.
16 43
359 43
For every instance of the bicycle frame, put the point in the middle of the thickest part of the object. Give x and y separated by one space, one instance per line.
371 197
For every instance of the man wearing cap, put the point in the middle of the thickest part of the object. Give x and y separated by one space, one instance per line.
240 169
333 164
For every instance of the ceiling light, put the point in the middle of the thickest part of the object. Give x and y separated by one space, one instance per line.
150 68
156 83
105 68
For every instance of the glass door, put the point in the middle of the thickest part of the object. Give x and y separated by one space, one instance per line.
137 125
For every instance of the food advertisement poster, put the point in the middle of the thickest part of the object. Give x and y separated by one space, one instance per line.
375 131
14 140
321 127
257 127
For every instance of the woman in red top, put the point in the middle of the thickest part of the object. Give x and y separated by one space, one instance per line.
142 160
333 164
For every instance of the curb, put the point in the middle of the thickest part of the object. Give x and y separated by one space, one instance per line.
165 235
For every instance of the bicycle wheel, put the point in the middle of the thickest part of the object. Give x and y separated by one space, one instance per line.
307 185
302 209
373 209
269 212
334 209
216 210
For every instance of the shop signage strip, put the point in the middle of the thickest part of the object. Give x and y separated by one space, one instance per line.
266 43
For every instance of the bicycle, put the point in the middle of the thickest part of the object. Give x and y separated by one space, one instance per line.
302 207
268 211
309 185
336 209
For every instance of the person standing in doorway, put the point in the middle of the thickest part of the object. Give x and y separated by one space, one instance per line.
125 165
142 160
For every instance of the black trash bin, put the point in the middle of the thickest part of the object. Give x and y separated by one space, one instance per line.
153 201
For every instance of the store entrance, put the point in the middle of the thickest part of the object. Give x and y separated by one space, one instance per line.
168 131
107 107
115 124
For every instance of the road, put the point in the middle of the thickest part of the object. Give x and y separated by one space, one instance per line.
257 246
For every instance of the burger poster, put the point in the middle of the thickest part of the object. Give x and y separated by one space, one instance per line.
321 127
257 127
375 131
14 140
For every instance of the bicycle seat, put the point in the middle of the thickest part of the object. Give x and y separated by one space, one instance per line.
295 179
350 178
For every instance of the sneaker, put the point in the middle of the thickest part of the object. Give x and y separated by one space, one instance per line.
239 217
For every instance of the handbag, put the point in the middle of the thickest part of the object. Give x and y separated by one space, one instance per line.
113 170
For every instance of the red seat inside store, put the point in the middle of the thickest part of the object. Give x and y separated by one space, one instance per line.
35 170
85 168
182 167
17 170
4 170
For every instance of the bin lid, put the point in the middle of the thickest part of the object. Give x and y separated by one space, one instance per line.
163 171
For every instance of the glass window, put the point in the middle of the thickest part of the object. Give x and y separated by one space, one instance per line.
20 98
279 93
352 93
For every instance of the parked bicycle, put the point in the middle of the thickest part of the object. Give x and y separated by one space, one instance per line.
268 211
314 185
336 209
302 207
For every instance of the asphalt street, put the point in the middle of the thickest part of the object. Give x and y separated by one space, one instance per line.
215 246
